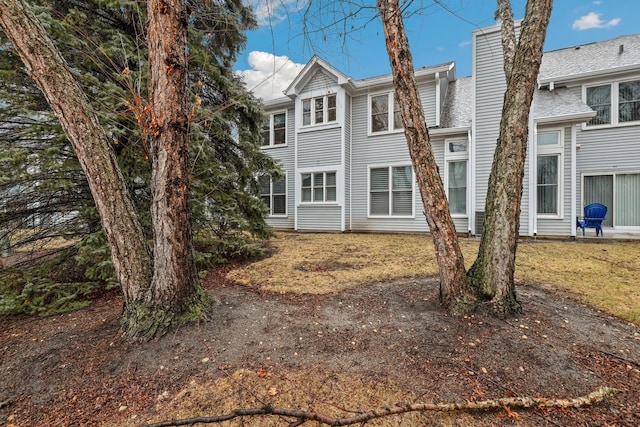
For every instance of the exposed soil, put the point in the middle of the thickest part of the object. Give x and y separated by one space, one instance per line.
73 370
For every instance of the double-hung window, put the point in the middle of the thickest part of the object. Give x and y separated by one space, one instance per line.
614 103
549 174
391 191
456 172
384 113
274 194
274 130
319 110
318 187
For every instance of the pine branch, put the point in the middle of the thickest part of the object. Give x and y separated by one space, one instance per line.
301 417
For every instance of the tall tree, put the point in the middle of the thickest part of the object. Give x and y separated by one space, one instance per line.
492 274
47 68
455 292
153 302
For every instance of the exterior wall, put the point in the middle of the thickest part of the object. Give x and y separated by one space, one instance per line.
321 148
559 226
489 85
347 162
319 218
606 150
284 155
381 150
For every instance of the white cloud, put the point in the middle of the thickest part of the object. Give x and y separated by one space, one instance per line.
464 43
272 12
592 20
269 75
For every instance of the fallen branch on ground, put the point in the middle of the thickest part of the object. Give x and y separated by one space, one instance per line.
400 408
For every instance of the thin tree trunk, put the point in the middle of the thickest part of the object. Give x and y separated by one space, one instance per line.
45 65
492 274
175 290
455 292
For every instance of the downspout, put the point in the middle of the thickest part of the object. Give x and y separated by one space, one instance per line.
574 192
471 183
296 178
533 162
438 99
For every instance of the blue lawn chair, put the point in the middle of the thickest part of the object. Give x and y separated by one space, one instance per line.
593 216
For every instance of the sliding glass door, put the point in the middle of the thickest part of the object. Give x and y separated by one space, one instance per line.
620 192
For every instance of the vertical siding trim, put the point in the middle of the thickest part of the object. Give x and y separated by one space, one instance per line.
472 138
573 179
296 174
341 96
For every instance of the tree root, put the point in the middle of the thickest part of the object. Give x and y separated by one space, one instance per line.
300 417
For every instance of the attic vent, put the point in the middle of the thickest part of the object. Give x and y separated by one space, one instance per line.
621 49
479 222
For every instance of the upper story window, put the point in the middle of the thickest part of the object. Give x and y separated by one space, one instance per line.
456 172
274 130
319 110
384 113
318 187
614 103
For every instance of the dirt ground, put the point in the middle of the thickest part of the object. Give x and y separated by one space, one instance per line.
73 370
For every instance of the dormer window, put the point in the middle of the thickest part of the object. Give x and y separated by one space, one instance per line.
319 110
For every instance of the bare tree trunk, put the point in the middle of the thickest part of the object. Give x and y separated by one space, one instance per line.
492 274
175 290
45 65
455 293
158 297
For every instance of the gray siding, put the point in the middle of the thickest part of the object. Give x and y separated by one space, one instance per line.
320 81
320 148
347 162
427 94
285 158
561 226
319 217
489 93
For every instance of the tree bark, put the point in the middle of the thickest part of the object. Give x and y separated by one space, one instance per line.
492 274
175 290
47 68
455 293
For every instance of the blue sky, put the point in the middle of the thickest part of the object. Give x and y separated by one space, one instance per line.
292 31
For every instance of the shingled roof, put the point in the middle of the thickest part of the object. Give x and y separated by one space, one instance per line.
591 59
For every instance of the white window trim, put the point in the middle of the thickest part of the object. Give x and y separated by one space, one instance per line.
413 190
610 210
551 150
615 119
390 115
324 186
325 111
456 157
271 130
286 197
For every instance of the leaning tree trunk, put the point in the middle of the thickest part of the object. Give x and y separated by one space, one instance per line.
175 292
455 292
492 274
47 68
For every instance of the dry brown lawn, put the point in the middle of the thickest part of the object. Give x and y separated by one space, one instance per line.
604 274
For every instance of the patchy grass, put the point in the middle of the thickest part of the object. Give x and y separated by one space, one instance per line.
333 394
605 275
